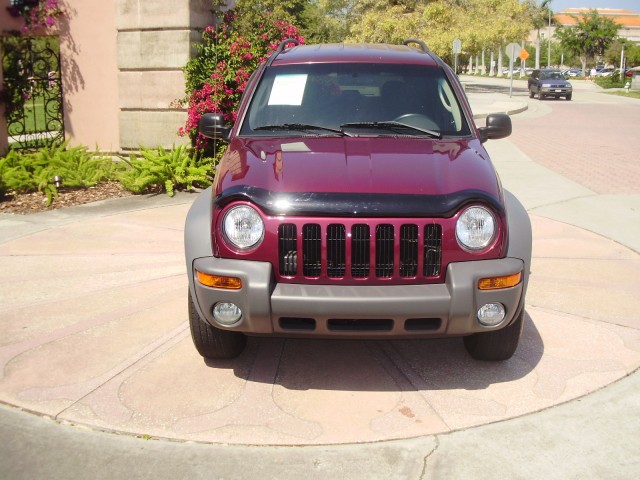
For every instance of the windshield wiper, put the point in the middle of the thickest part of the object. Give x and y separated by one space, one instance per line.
301 126
391 125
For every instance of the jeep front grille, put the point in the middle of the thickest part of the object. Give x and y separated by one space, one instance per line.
360 251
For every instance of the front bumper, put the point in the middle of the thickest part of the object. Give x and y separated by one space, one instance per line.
399 311
556 91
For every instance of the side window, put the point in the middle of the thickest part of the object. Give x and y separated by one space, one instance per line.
448 99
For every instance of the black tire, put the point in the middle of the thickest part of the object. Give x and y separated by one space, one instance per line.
497 345
568 97
213 342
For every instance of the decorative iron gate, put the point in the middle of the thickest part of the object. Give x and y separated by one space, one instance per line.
32 91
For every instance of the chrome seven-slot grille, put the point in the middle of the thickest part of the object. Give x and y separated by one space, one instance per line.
360 251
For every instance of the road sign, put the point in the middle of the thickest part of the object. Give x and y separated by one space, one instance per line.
457 46
513 50
523 55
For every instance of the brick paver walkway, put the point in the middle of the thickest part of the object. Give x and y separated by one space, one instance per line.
580 142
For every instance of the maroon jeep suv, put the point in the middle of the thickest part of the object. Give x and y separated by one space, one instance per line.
355 200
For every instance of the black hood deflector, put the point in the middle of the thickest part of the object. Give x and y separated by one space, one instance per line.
329 204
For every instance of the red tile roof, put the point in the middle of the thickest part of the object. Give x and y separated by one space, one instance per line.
624 18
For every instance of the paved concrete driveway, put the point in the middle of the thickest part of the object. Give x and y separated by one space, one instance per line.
94 330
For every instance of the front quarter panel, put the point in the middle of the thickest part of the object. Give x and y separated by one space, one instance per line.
197 235
520 235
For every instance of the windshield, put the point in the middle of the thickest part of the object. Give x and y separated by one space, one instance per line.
326 99
551 76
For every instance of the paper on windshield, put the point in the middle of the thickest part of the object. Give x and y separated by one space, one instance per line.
288 89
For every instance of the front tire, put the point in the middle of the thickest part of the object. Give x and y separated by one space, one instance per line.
497 345
213 342
568 97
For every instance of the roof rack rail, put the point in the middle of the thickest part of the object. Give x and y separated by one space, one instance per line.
280 48
425 49
423 46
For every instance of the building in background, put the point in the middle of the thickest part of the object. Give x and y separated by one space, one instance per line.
121 69
629 21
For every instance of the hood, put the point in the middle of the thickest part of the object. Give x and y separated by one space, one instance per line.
357 166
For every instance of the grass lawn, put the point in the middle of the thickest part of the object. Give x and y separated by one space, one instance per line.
631 94
34 119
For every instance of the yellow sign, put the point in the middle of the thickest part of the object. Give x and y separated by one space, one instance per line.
524 54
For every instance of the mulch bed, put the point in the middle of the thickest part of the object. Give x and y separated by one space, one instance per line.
26 203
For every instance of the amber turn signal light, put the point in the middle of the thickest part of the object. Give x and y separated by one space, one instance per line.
496 283
219 281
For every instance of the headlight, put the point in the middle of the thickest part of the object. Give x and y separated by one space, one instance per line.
475 228
243 227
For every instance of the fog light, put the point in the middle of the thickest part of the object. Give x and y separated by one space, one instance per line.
491 314
226 313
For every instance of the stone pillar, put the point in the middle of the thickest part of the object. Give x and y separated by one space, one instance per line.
155 41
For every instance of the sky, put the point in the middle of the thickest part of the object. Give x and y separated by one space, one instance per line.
633 5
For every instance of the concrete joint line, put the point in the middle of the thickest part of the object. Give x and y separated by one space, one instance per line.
403 373
425 461
155 110
148 69
157 29
133 363
581 317
562 202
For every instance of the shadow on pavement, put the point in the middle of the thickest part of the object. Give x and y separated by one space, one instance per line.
379 365
471 87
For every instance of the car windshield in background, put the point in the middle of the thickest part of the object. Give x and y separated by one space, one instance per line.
346 97
551 76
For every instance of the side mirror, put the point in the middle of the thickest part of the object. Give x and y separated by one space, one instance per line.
211 125
498 126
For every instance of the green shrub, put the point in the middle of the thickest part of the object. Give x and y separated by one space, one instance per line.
180 168
25 172
17 172
610 82
226 57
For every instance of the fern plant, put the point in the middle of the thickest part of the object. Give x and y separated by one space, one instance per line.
81 169
180 168
36 171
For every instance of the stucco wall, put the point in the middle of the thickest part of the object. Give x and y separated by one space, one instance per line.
122 66
88 50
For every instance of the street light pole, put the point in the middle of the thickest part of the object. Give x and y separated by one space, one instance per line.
544 4
549 36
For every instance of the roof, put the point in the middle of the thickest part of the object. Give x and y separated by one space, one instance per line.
353 53
624 18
